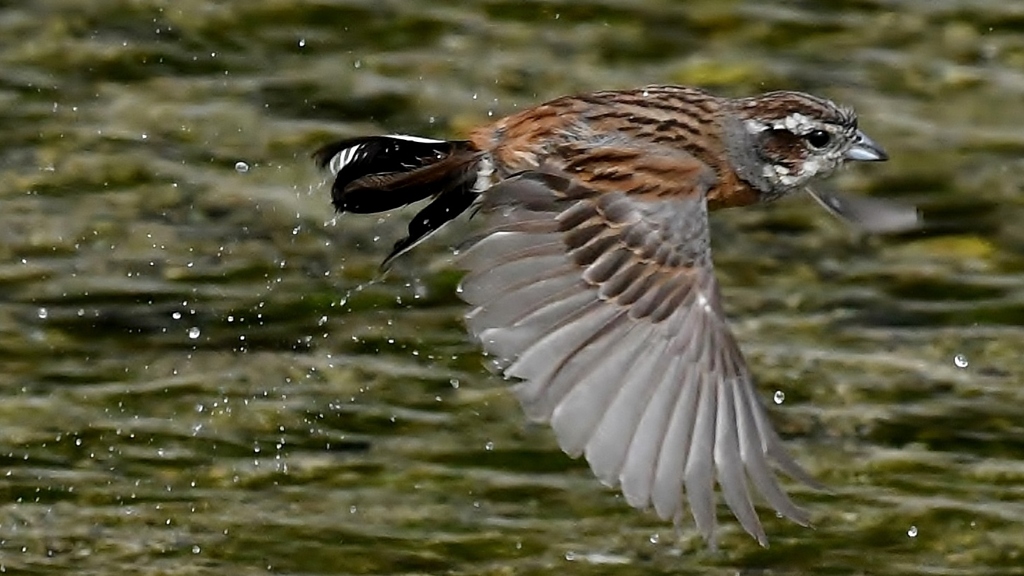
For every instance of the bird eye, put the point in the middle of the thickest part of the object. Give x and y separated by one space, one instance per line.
818 138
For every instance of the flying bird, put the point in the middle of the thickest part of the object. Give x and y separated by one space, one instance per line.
593 285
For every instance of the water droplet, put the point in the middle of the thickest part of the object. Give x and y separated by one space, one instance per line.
570 555
960 361
176 315
193 332
655 538
912 532
779 397
241 167
43 313
489 446
302 42
454 382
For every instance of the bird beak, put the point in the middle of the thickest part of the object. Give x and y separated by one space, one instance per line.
866 150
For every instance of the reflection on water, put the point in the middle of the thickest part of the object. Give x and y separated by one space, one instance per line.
203 369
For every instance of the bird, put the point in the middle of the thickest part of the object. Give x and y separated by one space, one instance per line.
592 285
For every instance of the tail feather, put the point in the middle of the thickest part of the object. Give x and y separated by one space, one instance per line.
380 173
430 219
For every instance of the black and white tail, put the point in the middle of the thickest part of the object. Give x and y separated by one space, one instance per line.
380 173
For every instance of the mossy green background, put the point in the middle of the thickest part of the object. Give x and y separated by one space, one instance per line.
203 373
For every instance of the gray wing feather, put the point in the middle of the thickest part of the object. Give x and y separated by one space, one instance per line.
665 494
698 474
610 443
605 307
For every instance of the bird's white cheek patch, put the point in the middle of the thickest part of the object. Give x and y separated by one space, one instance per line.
781 174
811 167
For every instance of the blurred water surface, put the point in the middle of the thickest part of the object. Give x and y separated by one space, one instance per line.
203 374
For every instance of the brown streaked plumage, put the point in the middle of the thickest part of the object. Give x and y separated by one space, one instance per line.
593 286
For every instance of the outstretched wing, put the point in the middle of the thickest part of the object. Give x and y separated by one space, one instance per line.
605 306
